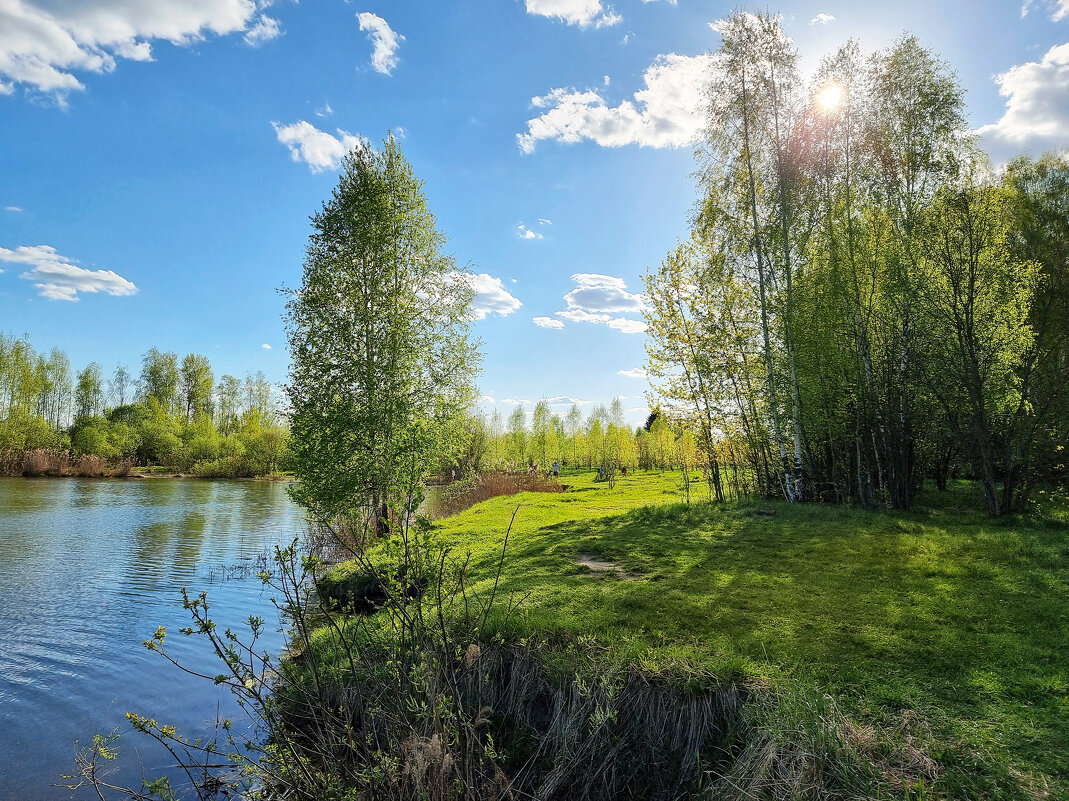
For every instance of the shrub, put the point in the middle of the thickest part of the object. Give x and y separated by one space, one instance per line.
90 466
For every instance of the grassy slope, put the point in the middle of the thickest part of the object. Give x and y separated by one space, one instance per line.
940 615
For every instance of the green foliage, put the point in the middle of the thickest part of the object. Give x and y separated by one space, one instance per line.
860 305
381 363
38 401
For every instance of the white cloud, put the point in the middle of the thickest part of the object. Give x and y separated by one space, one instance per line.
544 221
265 29
595 292
1059 8
318 149
821 19
574 12
486 399
580 316
384 41
491 297
597 298
44 43
625 326
548 322
57 278
265 346
324 111
635 372
527 233
1037 106
516 401
566 400
667 113
14 209
606 80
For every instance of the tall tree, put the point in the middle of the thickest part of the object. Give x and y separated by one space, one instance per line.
228 404
120 385
195 385
382 366
159 379
755 188
89 392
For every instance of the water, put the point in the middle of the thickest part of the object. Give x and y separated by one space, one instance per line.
88 570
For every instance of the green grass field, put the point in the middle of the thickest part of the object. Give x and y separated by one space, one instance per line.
941 621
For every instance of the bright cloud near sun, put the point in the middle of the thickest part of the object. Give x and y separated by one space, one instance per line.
574 12
57 278
1037 106
318 149
667 113
43 44
384 41
491 297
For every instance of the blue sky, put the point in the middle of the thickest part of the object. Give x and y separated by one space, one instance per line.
159 160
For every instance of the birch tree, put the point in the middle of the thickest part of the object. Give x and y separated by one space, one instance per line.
383 366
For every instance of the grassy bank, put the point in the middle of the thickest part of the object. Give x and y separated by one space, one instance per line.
939 634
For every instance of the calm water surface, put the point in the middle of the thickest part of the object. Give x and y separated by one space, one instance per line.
88 570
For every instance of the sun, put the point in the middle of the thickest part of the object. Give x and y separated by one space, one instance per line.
830 97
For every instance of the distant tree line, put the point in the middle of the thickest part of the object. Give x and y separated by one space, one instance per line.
600 439
172 414
863 303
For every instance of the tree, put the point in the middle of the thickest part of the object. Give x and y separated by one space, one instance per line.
120 385
89 392
195 383
228 404
517 424
159 378
979 349
382 366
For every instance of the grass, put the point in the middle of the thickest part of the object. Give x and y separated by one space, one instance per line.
940 631
941 618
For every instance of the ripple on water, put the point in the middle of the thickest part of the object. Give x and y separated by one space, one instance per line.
88 570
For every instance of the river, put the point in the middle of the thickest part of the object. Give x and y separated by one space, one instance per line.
88 569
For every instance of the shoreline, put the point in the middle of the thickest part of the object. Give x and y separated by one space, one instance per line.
155 476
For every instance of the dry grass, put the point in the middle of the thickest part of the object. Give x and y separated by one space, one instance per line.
462 495
44 462
90 466
40 462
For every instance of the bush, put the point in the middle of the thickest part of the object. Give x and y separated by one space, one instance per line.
90 466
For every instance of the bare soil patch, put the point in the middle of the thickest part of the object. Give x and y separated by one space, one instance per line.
599 566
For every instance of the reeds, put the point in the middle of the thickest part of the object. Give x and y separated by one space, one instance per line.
461 495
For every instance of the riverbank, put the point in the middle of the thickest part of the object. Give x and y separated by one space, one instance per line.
922 651
151 473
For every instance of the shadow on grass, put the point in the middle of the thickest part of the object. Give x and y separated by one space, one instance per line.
943 612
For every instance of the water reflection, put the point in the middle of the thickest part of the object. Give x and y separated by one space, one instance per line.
88 569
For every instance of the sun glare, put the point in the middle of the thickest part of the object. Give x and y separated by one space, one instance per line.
830 97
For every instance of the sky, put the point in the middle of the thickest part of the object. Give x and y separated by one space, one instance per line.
159 161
